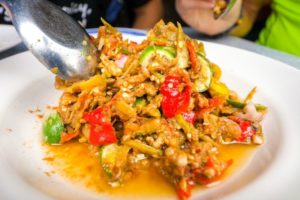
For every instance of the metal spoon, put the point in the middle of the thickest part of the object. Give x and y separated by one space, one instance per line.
58 41
221 13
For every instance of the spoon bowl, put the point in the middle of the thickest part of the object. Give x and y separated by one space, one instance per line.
222 8
55 39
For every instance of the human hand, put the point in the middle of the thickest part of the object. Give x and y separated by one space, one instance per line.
199 15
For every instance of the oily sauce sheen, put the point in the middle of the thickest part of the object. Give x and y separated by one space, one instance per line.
79 163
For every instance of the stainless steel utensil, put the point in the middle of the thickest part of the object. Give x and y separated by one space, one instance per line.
58 41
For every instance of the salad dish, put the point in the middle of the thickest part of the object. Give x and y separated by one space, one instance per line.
158 104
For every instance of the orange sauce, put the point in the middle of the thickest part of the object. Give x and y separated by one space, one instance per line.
79 164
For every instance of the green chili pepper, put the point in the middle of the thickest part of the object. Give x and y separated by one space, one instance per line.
150 51
236 104
138 101
53 128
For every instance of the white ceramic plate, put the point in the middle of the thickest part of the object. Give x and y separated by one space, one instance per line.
272 173
8 37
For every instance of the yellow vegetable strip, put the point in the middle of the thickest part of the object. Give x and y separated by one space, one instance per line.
94 81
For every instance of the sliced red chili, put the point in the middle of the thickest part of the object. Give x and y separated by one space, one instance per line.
247 130
209 163
246 127
184 191
202 179
170 86
183 194
101 132
174 101
169 106
95 116
184 100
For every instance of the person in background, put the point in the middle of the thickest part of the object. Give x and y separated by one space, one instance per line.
281 31
141 14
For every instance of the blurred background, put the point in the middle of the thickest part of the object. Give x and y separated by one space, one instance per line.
284 15
129 13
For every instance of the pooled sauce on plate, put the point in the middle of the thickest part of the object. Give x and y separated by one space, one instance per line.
79 163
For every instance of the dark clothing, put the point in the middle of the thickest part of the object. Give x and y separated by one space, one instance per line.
4 18
89 12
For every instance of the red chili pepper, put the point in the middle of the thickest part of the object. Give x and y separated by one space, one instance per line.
193 55
174 102
170 86
95 116
184 193
189 117
101 132
202 179
246 128
209 163
169 106
184 100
